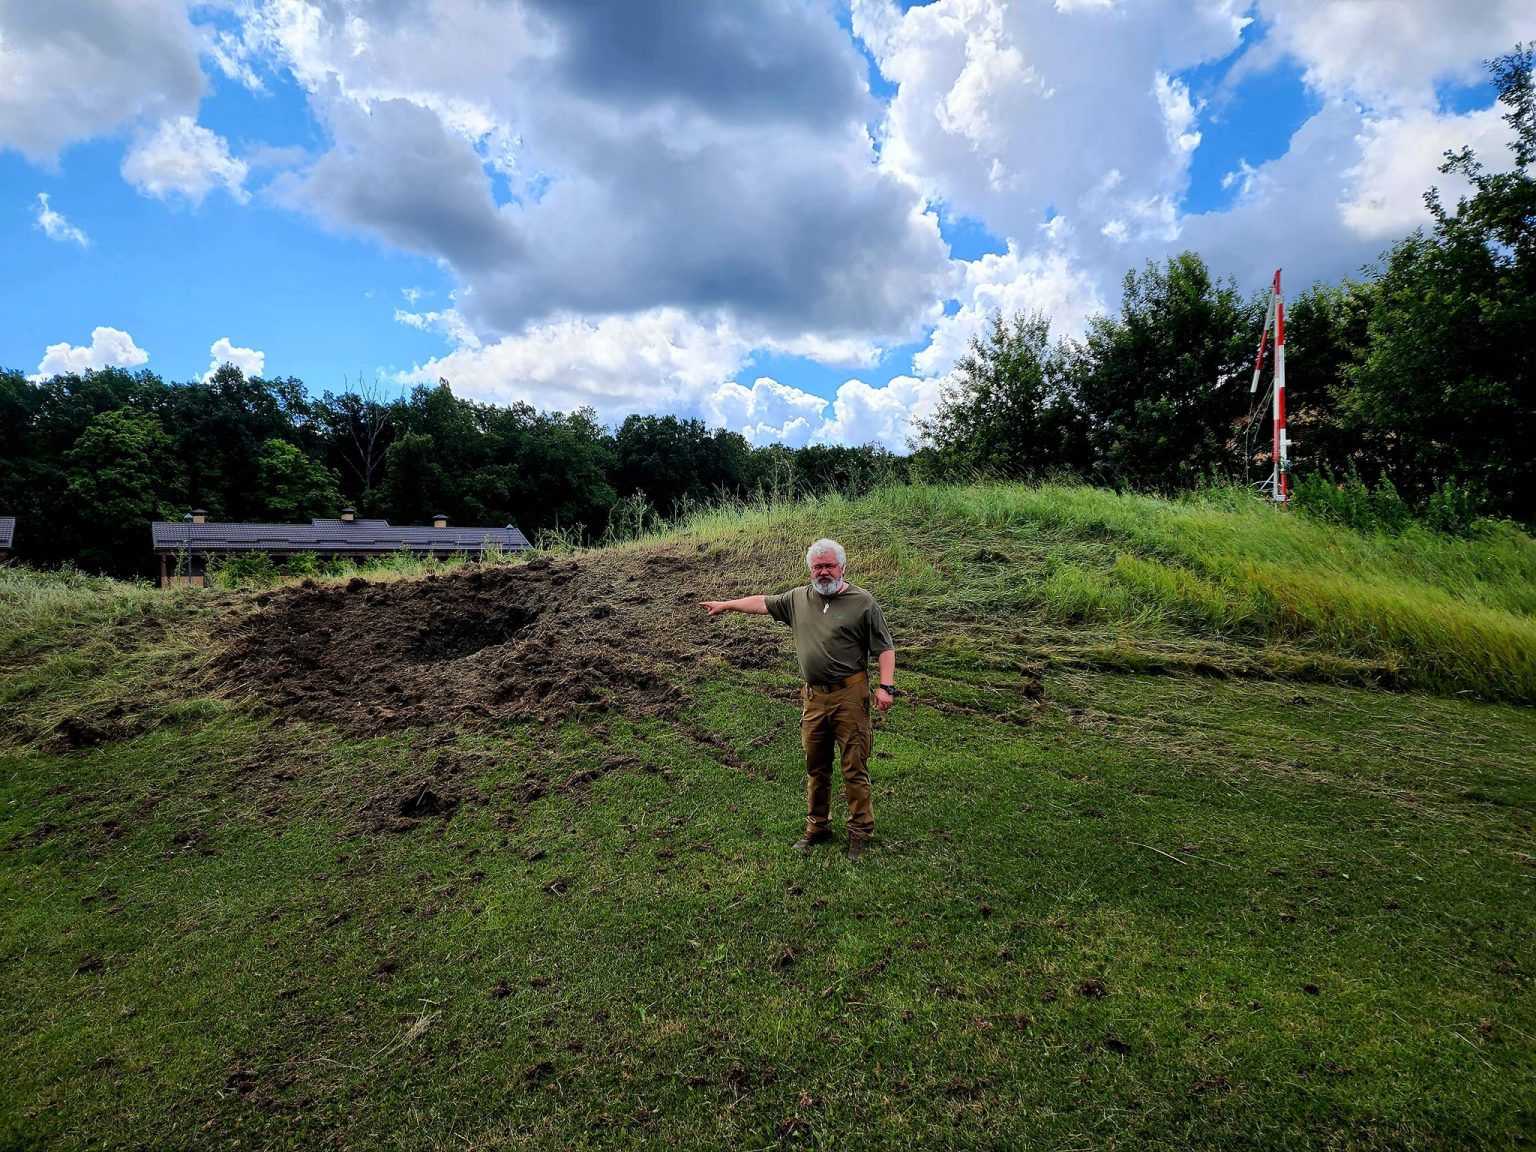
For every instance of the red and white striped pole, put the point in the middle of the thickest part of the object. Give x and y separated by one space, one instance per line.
1274 318
1282 488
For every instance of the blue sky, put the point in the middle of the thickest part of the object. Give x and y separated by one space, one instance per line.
785 219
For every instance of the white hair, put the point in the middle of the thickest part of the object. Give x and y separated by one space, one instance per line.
822 547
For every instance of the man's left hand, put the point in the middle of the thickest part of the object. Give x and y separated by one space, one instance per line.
883 700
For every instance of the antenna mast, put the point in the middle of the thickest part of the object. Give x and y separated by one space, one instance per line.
1279 480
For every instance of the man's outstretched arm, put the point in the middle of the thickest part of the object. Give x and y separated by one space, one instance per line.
752 605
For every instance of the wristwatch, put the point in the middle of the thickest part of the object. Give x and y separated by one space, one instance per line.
888 688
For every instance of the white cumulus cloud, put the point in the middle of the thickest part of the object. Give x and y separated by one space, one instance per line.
1392 55
864 414
1400 157
768 412
654 361
182 158
109 348
55 226
616 159
248 360
1104 152
1045 281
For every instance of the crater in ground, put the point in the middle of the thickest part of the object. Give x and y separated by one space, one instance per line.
620 629
450 634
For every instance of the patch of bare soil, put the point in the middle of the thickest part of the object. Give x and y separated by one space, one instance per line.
541 640
76 731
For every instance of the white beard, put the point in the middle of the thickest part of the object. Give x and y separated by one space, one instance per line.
828 586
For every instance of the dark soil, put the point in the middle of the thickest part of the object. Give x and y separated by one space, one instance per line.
542 640
74 732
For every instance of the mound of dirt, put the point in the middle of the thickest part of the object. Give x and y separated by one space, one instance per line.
612 630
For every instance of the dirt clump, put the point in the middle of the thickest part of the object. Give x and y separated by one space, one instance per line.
76 731
540 640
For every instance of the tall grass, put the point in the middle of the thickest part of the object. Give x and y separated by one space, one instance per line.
43 609
1422 608
73 644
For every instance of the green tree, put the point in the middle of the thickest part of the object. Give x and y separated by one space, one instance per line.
675 461
415 485
1163 385
1008 408
219 426
1445 387
1325 337
358 430
844 468
19 486
294 487
42 420
564 463
122 474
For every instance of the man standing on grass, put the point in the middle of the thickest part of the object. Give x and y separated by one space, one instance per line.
837 628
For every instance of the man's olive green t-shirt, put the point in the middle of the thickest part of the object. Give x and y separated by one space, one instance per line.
834 635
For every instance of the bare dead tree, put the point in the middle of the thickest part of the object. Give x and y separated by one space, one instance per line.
368 425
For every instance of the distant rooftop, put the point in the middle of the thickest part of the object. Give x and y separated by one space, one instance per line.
7 531
343 536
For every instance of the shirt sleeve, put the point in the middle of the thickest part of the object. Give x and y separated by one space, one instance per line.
879 634
781 607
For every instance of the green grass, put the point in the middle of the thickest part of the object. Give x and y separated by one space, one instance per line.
1105 578
1308 905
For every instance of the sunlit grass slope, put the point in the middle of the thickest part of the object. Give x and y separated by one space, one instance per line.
1218 581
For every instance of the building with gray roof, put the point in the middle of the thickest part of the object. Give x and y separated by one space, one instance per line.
7 537
185 547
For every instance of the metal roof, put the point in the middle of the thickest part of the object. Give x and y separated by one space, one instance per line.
7 531
329 536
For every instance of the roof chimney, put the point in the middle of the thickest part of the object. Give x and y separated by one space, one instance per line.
439 520
199 515
348 515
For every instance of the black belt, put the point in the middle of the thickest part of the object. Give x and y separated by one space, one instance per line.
843 683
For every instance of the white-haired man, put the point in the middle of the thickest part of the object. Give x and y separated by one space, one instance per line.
837 628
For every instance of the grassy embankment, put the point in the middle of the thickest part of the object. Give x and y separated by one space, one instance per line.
1247 901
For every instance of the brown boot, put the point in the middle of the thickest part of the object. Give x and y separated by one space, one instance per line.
856 846
811 839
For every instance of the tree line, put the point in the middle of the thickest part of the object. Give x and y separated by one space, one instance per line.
87 460
1413 383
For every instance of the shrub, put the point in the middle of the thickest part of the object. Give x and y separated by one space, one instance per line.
634 517
247 570
1350 503
1452 509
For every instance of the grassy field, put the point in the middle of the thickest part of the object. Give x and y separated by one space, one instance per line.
1159 863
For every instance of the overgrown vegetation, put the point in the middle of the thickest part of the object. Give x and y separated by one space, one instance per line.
1215 580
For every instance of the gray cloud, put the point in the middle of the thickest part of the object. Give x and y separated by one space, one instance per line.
744 61
701 156
397 171
793 233
65 78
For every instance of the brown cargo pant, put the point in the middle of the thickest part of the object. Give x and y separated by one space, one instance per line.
834 719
